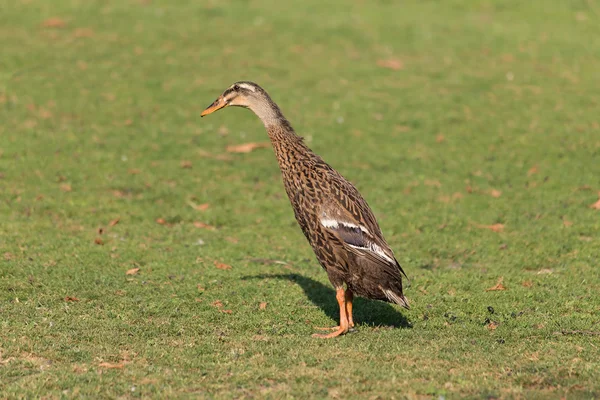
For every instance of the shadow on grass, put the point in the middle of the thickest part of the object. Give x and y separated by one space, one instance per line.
366 312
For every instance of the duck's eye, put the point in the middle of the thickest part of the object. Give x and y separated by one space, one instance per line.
236 87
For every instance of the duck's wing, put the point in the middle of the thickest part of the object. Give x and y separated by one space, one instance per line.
346 214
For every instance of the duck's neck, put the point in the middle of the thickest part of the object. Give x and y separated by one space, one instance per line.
289 147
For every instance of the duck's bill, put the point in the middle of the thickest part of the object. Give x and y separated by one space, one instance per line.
217 105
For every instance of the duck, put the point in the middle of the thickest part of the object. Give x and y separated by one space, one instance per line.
333 216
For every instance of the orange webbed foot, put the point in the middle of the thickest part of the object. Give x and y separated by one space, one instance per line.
340 331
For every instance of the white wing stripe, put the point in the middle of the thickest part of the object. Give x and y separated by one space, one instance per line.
375 249
334 224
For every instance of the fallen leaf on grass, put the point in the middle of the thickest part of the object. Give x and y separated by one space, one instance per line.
186 164
497 286
132 271
568 223
221 265
494 227
226 311
495 193
391 63
71 298
246 147
532 170
98 241
440 138
113 222
217 303
232 239
111 365
54 23
492 325
202 225
161 221
263 305
199 207
596 205
65 187
527 284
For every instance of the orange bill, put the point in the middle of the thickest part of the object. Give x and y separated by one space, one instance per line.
216 105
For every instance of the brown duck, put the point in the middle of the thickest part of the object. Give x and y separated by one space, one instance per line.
336 220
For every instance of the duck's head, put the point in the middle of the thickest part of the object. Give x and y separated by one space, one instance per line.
241 94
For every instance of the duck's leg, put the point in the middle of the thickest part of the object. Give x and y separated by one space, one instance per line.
343 328
349 298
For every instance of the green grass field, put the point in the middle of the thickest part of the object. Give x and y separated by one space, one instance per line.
471 127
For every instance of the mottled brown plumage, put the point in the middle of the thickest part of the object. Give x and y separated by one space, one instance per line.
332 214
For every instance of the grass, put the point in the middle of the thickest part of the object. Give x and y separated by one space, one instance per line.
487 118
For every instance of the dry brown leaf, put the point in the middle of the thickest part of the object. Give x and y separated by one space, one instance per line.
185 164
134 171
65 187
200 207
98 241
231 239
221 265
246 147
202 225
217 303
497 286
391 63
568 223
492 325
440 138
495 193
161 221
596 205
226 311
71 298
132 271
54 23
113 222
532 170
494 227
527 284
111 365
263 305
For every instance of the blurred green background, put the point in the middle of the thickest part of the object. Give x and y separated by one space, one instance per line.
471 127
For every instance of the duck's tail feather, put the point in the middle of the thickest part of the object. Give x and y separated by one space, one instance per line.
397 298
